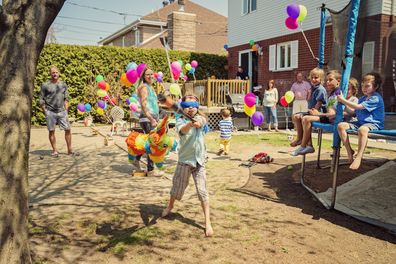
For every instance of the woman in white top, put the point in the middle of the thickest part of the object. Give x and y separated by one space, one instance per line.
269 101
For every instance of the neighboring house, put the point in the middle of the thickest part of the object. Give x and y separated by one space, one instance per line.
284 52
195 28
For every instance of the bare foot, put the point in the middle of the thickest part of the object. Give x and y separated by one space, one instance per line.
55 154
356 163
351 156
209 231
166 212
295 143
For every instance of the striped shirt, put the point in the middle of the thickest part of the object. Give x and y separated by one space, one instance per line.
225 126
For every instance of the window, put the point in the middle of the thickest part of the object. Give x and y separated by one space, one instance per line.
137 37
283 56
368 57
248 6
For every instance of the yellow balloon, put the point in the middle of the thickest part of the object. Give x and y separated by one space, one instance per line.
249 110
101 93
99 111
124 80
289 96
303 13
175 89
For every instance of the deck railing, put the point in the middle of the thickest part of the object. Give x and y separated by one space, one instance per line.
213 92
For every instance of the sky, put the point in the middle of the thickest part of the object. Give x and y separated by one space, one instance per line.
85 22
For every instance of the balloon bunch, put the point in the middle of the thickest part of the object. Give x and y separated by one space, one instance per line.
133 103
287 98
101 107
132 73
158 76
250 109
297 14
254 46
83 108
103 87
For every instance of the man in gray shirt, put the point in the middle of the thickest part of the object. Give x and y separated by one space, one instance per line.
55 102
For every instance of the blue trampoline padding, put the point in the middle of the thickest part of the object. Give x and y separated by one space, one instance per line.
389 132
323 126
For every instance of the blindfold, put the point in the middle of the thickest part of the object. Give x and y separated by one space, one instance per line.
189 104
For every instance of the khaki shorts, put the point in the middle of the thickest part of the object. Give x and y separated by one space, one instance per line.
300 106
60 118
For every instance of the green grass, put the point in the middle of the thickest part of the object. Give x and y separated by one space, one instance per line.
144 236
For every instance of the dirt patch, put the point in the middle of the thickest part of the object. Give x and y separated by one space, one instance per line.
89 209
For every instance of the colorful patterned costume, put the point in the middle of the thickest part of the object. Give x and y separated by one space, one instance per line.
157 144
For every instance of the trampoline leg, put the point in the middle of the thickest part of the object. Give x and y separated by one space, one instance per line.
335 161
320 131
302 168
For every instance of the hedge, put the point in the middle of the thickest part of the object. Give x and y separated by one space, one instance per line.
79 66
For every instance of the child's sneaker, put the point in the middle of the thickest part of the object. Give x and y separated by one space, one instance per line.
297 151
306 150
219 152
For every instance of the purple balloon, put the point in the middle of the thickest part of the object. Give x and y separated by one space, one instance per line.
257 118
159 79
81 107
291 23
127 101
132 76
140 68
101 104
293 10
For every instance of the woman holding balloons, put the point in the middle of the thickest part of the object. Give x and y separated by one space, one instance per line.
150 113
269 101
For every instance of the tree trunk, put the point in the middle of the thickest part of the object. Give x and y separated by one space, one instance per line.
23 27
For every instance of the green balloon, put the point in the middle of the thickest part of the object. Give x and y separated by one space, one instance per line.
99 78
251 42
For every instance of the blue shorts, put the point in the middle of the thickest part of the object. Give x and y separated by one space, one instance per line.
60 118
355 126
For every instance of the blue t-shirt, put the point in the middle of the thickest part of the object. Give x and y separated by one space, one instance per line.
373 112
318 94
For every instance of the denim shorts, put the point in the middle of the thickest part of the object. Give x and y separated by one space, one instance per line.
60 118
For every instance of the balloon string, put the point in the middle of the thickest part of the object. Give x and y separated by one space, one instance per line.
306 40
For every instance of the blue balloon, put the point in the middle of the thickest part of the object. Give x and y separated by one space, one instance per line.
88 107
225 46
192 71
131 66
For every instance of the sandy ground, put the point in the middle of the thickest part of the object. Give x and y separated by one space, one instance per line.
89 209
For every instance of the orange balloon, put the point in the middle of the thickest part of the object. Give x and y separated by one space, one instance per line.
107 87
124 80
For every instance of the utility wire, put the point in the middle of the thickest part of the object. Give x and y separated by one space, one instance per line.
90 29
91 20
101 9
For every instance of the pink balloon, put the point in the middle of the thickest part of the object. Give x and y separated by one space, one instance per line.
140 68
176 66
185 78
132 76
194 64
250 100
291 23
102 84
134 107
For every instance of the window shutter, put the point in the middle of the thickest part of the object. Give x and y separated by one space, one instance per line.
294 54
368 57
272 57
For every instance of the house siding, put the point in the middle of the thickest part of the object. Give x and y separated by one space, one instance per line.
257 26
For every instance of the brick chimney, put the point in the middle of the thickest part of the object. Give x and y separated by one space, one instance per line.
182 31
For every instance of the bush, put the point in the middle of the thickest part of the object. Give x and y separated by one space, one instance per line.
79 66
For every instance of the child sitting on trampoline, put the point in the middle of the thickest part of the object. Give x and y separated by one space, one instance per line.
370 114
333 79
317 101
